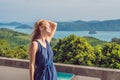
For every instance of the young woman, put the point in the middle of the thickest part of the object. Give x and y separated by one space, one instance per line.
41 65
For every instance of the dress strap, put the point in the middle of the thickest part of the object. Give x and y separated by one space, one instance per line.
47 43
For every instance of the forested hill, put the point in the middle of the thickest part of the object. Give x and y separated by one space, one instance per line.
13 37
78 25
17 38
107 25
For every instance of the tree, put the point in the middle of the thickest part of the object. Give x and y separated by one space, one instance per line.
111 53
74 50
117 40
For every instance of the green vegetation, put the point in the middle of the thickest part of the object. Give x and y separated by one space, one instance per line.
13 44
13 37
94 42
69 50
12 52
116 40
108 56
76 50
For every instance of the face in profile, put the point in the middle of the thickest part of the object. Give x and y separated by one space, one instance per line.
45 27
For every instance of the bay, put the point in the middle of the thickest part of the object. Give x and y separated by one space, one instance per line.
102 35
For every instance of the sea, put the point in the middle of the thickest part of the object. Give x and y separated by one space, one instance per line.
102 35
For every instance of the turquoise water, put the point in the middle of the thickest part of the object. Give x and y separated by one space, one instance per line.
64 76
102 35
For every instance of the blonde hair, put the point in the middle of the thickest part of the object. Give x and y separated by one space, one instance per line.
36 32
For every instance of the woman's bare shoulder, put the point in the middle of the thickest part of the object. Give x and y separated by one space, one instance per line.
34 44
33 47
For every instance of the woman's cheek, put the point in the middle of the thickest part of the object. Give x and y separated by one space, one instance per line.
49 30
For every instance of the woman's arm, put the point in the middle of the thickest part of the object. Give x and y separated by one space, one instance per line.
53 26
32 53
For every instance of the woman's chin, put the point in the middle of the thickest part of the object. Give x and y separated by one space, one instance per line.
48 32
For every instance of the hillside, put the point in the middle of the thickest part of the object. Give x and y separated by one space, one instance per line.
13 37
107 25
15 44
17 24
69 50
94 42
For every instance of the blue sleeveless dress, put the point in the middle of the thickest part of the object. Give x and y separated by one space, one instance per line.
44 67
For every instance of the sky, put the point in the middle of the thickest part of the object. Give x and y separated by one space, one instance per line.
58 10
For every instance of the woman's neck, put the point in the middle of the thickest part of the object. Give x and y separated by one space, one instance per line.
42 38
